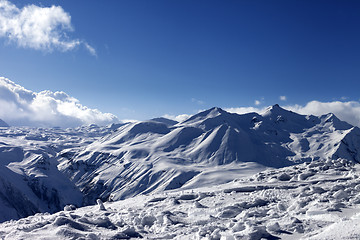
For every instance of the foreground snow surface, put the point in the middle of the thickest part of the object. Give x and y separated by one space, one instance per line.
317 200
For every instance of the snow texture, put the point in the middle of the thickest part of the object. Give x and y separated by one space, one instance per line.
257 207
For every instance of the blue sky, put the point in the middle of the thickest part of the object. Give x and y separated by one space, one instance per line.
173 57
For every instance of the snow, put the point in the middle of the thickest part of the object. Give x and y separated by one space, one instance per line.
216 175
247 208
30 181
209 148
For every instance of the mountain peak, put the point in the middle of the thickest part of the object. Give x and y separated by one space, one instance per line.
276 107
274 110
335 121
210 113
216 110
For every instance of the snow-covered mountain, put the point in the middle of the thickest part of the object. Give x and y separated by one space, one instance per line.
30 181
42 170
211 147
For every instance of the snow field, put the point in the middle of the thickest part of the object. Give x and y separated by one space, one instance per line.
264 206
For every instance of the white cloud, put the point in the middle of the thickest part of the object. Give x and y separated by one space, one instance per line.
178 118
91 50
243 110
257 102
40 28
22 107
129 120
197 101
346 111
282 98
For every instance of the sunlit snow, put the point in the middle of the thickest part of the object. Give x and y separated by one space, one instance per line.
216 175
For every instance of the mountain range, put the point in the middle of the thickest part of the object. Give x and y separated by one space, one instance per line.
43 170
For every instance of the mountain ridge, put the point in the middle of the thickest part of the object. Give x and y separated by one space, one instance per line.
211 138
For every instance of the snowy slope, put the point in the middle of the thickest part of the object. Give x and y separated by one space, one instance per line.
42 170
318 200
211 147
29 179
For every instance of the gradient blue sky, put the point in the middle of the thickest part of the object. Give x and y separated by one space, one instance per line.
172 57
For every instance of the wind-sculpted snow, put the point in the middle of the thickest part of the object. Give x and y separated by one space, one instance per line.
317 200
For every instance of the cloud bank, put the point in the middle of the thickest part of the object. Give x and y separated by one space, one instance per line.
347 111
39 28
178 118
22 107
